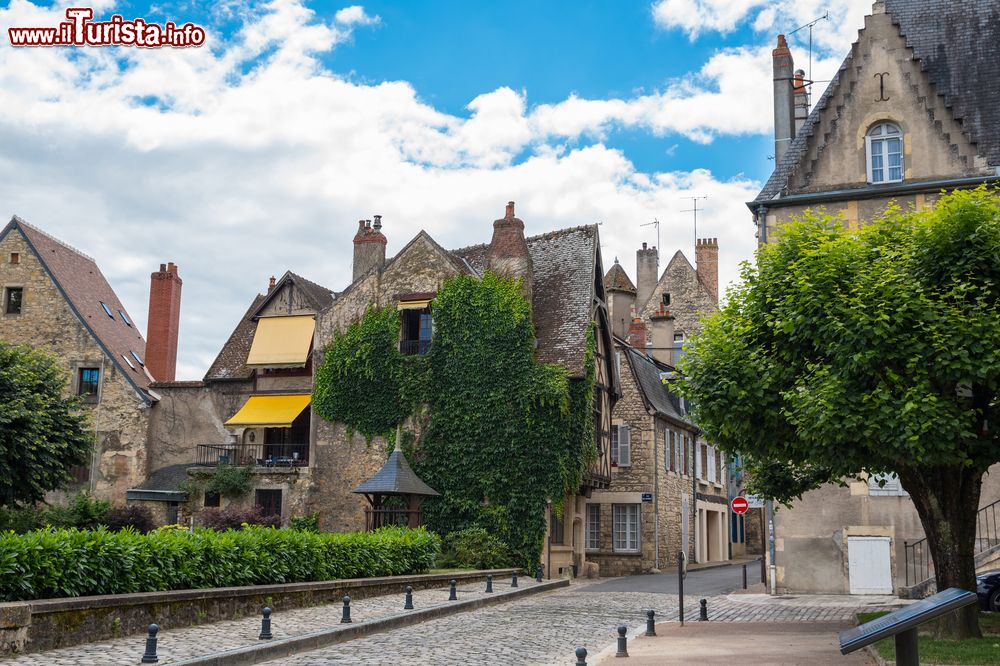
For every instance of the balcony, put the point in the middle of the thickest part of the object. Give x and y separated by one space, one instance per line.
253 455
414 347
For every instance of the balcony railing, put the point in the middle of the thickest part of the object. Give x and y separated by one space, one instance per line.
253 455
414 347
376 518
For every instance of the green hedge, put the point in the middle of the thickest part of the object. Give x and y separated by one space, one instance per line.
68 563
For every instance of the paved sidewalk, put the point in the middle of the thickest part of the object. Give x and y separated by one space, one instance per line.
748 644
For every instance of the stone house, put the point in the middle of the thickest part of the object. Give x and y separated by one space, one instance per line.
55 297
668 489
912 112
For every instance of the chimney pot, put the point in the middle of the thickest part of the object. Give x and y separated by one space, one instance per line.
163 268
270 283
509 214
378 222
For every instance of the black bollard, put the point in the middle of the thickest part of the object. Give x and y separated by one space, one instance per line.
346 617
680 584
452 596
703 612
149 657
744 576
650 622
539 578
581 656
489 583
409 599
622 646
513 580
265 625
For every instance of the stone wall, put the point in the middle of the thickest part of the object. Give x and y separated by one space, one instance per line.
120 418
690 299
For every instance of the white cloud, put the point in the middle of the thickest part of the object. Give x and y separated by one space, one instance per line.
355 15
248 157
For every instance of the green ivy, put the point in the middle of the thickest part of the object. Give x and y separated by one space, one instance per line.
506 434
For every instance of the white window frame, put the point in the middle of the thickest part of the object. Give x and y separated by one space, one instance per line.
892 487
625 528
593 536
881 144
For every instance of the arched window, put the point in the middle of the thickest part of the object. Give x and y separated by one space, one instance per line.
884 144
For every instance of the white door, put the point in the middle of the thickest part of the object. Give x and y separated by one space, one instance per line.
868 564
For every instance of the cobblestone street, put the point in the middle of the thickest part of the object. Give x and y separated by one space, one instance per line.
543 629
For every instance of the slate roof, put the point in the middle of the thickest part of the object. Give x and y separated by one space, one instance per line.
563 276
617 279
231 363
958 45
84 286
319 295
396 478
654 392
166 478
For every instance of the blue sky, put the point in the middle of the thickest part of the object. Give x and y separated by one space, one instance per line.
258 152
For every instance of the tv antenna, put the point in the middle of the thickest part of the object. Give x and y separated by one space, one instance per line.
824 17
694 209
655 223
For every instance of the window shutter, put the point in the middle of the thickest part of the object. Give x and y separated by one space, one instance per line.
615 436
624 446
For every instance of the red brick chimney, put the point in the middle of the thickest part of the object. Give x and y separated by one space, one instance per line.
163 323
706 257
369 246
508 252
637 334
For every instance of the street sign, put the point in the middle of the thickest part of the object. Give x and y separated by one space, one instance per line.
740 505
647 497
755 502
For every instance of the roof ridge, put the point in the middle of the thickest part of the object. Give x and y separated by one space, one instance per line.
21 221
304 279
554 232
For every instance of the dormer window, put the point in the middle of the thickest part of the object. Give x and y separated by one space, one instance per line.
884 145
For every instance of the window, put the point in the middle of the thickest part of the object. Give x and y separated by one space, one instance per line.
15 258
212 500
593 526
884 144
129 361
670 448
703 460
621 446
13 298
88 384
626 528
417 330
666 298
136 357
106 309
125 318
885 485
269 502
555 530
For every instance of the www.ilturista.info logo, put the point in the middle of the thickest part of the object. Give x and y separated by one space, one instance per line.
80 30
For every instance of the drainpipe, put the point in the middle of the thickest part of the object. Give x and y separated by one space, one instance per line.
694 494
770 538
548 560
656 498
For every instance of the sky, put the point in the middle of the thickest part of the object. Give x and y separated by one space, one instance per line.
259 151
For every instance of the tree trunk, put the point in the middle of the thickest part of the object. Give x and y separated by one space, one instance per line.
947 500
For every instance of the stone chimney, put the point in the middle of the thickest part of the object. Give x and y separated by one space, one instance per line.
637 334
801 95
647 271
508 252
662 335
784 104
270 284
369 247
706 257
163 323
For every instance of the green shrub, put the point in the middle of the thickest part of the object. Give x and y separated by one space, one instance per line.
83 512
66 563
230 481
474 547
235 518
136 516
21 519
309 523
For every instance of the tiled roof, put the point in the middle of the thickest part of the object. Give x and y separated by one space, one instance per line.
655 393
166 478
563 273
320 296
80 280
396 478
232 358
617 279
958 45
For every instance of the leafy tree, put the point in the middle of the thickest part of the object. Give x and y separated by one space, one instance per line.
42 433
872 351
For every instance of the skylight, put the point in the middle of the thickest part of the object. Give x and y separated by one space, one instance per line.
125 318
107 309
136 357
127 360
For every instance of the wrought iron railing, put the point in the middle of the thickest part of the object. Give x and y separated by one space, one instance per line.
414 347
376 518
920 566
253 455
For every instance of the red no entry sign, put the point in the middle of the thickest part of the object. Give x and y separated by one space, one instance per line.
740 505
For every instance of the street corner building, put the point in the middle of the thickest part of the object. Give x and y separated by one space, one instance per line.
912 112
56 298
669 490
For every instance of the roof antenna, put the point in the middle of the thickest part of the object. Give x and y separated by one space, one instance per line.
654 223
824 17
695 209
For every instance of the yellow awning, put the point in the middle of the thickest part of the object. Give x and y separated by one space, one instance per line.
282 341
269 411
413 305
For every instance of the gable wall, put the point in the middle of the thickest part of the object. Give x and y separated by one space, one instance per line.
120 418
690 300
288 301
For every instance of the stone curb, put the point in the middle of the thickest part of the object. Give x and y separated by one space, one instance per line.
286 647
876 657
